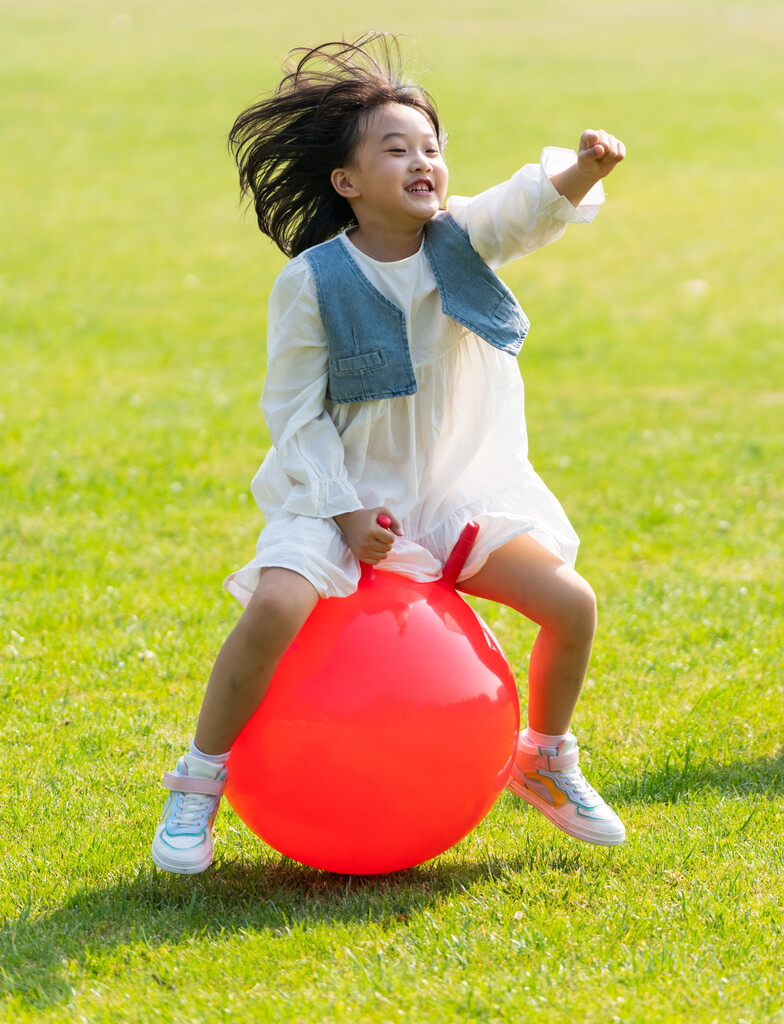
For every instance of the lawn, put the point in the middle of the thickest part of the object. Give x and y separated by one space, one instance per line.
132 322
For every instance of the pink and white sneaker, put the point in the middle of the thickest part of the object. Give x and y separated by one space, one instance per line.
183 839
550 779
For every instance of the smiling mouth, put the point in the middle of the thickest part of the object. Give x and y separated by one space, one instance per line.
420 188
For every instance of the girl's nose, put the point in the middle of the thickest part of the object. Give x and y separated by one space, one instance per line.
420 162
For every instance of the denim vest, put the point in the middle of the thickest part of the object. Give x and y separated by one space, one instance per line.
369 355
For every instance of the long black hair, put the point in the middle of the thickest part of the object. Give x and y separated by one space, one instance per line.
287 145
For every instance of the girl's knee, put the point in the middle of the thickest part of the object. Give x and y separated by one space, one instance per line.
281 603
569 612
578 608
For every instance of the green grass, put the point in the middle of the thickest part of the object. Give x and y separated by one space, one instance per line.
132 316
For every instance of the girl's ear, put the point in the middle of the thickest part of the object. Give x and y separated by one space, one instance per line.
341 182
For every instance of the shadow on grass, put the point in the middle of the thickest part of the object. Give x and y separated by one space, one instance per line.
682 776
40 956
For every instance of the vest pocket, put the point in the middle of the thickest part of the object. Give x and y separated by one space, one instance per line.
366 361
505 307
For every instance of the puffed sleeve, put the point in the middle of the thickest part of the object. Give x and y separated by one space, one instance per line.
518 216
305 474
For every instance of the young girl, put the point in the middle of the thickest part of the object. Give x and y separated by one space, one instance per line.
392 388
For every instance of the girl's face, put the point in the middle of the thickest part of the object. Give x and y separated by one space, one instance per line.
397 177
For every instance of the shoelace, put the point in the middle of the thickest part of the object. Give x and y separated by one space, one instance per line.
192 809
582 788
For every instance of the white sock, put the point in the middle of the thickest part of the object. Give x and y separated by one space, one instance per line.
220 759
543 739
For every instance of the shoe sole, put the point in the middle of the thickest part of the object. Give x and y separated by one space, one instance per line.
178 869
551 814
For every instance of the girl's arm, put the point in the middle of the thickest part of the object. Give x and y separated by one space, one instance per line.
598 154
527 212
309 471
308 447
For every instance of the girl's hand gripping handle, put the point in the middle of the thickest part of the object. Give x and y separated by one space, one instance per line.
369 538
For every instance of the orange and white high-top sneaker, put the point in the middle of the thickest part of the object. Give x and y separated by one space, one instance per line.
550 779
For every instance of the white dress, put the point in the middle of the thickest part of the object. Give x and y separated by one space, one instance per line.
456 450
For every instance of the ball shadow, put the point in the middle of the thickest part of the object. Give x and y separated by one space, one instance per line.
273 895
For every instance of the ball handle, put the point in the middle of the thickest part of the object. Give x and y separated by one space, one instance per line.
460 553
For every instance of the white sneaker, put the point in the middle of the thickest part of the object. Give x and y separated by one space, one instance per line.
551 780
183 839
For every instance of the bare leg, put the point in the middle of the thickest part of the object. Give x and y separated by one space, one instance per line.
527 577
244 668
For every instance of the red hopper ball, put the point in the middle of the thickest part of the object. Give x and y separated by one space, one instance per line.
388 730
